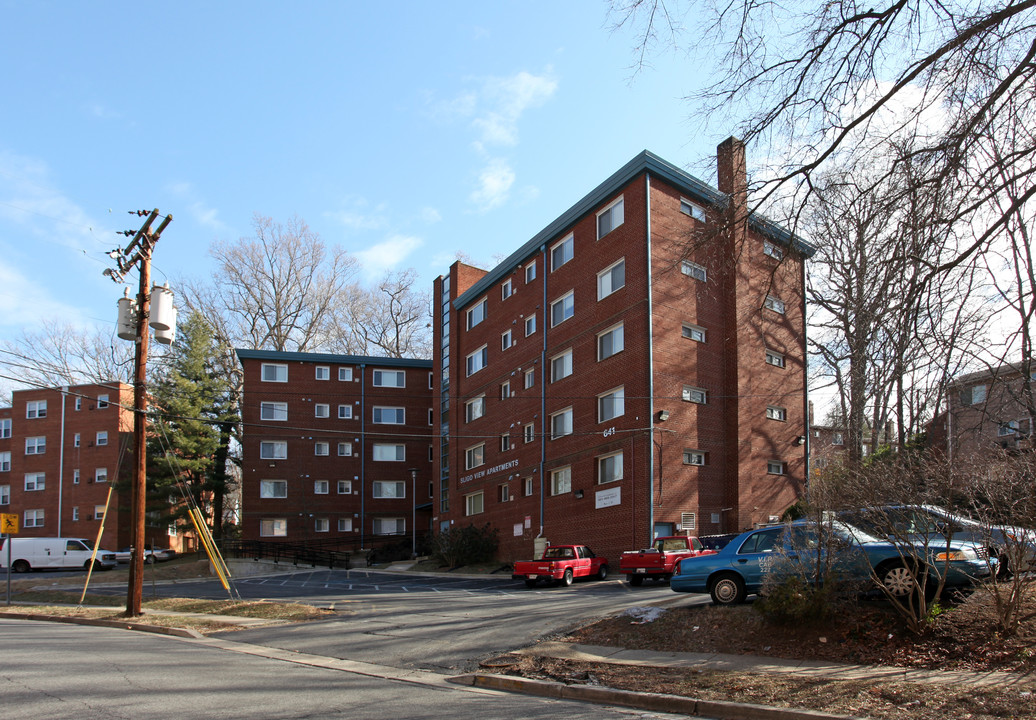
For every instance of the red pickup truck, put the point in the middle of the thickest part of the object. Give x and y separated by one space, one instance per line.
561 564
660 560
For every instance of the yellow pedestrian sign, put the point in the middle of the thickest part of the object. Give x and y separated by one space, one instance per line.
9 523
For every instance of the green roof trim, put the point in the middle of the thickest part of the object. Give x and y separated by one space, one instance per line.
278 356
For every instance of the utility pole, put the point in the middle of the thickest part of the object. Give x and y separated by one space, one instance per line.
138 255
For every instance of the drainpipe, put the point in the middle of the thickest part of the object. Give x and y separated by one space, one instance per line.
543 392
651 373
61 458
363 451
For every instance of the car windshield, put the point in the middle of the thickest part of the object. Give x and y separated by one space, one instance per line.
852 533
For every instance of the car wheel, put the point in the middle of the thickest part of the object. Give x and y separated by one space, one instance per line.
636 580
149 559
899 582
728 589
566 580
602 573
21 566
530 583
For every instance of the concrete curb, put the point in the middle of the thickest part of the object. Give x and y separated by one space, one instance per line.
124 625
643 701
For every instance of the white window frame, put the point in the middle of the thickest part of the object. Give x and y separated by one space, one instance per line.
475 456
694 457
100 475
694 270
273 527
345 487
273 489
477 360
530 325
35 481
345 374
36 445
5 428
322 372
321 487
561 480
273 411
693 332
5 494
388 525
567 365
345 524
696 395
34 518
774 412
772 250
102 402
274 374
321 525
503 492
76 440
474 408
35 409
567 304
268 450
530 272
345 412
5 461
606 279
692 209
567 423
379 413
345 449
380 452
379 377
775 467
611 217
506 339
775 304
774 358
321 410
530 378
505 390
506 289
505 442
615 462
477 313
616 397
617 336
474 503
101 438
529 432
563 250
322 448
527 486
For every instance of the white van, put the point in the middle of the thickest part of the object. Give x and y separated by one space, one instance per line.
53 552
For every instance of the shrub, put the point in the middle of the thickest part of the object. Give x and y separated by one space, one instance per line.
795 601
466 545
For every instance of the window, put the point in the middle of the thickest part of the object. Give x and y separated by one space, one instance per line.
389 378
345 524
772 250
273 411
529 432
5 461
776 413
609 468
323 372
321 525
345 374
694 395
389 416
530 378
276 527
75 476
35 481
33 518
611 279
345 449
694 270
561 424
1007 428
610 342
102 402
321 487
609 218
775 467
345 487
837 439
387 452
475 456
5 494
530 325
345 412
505 390
530 272
75 440
473 504
693 457
505 442
772 303
561 481
101 475
322 410
693 332
506 340
477 360
611 404
774 358
321 448
561 366
562 252
506 289
273 488
79 404
527 486
973 395
503 492
477 313
475 408
389 489
36 409
563 308
35 445
102 437
389 526
692 209
5 428
274 373
273 450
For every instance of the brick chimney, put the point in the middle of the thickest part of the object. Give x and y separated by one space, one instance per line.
731 174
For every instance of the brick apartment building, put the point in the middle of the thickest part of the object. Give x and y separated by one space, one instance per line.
334 447
988 411
636 368
61 449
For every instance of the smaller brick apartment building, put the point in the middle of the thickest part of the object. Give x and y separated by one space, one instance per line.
637 368
336 448
61 449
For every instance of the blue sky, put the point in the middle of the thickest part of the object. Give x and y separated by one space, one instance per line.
404 132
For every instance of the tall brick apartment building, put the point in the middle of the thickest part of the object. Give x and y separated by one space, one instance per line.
637 367
334 447
61 449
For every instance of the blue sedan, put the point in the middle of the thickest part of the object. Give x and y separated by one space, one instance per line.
741 567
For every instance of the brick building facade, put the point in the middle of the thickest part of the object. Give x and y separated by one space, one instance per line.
636 368
61 450
336 448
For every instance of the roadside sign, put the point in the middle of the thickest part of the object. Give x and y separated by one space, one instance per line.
9 523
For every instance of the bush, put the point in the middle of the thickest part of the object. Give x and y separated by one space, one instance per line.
466 545
795 601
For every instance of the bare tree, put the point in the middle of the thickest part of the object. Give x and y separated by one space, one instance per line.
60 354
390 319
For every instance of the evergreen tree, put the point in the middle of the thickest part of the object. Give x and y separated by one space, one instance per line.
193 414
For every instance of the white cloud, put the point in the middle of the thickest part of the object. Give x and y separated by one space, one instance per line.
494 185
388 254
430 216
25 302
196 209
503 101
359 215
